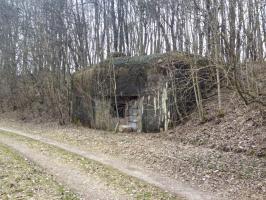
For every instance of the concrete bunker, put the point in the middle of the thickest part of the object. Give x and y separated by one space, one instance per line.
141 93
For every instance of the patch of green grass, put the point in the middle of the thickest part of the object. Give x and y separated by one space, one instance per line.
20 179
113 178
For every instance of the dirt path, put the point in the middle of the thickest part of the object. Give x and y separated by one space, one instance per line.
165 183
71 176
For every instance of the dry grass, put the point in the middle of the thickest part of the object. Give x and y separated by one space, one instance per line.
20 179
113 178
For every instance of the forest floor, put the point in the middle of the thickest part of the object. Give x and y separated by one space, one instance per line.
223 158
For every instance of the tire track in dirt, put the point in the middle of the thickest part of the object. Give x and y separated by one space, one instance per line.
86 187
163 182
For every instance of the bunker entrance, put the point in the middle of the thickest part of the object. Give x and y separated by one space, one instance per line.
126 108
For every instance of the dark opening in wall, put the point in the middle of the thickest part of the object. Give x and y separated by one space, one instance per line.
122 105
78 101
121 110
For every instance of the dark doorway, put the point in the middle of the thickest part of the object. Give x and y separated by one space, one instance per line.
122 106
